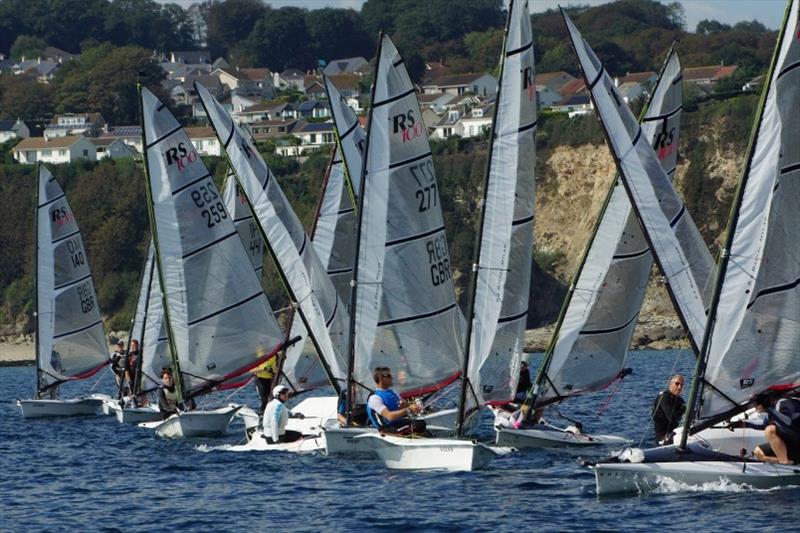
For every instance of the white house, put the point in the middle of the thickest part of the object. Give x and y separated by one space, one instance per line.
12 129
546 96
252 114
204 140
579 104
112 147
313 136
74 124
130 135
476 122
54 150
481 84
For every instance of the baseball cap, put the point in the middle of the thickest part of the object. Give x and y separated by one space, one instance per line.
280 389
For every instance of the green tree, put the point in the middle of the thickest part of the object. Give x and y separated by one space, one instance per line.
230 21
27 46
338 33
23 97
281 40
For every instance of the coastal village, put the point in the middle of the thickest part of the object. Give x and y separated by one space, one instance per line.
289 111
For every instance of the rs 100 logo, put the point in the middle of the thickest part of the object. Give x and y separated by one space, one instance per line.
410 127
180 156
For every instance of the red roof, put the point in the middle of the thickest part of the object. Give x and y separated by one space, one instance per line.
572 87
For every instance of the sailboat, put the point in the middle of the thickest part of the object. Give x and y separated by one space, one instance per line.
750 338
498 297
594 329
218 321
313 295
70 341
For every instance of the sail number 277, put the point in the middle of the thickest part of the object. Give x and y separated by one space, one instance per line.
426 194
207 199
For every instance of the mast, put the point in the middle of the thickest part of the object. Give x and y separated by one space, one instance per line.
176 367
473 284
351 347
292 296
724 257
36 281
530 400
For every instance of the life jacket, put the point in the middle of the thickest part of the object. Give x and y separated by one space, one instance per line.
267 369
392 402
171 396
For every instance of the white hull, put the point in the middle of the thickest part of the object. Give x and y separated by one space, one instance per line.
552 437
107 407
59 408
137 415
401 453
627 478
190 424
343 441
258 443
727 441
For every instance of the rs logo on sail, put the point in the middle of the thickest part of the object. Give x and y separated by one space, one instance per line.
408 125
180 156
664 144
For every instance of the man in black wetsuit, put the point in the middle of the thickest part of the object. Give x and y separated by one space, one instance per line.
668 408
524 383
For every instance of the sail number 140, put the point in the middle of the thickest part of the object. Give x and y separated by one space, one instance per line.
207 199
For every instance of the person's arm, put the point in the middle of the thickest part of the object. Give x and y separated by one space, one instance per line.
391 416
274 423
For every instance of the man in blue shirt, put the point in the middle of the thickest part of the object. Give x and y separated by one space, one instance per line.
387 411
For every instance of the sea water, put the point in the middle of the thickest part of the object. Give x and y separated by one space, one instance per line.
96 474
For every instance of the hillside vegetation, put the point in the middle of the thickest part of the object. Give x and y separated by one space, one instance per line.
573 172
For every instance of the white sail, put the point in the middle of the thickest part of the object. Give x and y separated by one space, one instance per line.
317 302
149 328
506 237
351 136
236 204
680 251
594 336
755 336
218 317
406 316
71 343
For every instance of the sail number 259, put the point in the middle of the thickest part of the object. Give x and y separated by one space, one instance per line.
426 193
207 199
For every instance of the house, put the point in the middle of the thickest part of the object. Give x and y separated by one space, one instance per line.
753 84
446 127
312 136
314 89
482 84
290 79
545 96
267 129
251 115
573 87
350 65
478 121
355 104
255 82
435 101
58 55
435 70
430 118
314 109
283 111
111 147
64 149
13 129
347 84
130 135
89 124
553 80
579 104
43 70
194 57
707 77
631 90
204 140
645 78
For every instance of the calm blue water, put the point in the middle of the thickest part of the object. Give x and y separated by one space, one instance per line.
95 474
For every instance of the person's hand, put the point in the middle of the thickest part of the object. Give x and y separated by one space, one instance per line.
413 408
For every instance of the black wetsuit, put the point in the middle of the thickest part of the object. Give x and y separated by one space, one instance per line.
667 412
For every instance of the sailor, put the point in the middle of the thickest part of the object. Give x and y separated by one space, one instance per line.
167 395
524 382
118 365
387 411
265 373
358 414
130 362
668 408
276 416
781 429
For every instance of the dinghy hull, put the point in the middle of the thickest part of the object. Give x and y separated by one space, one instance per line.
343 441
552 438
636 478
59 408
137 415
401 453
192 424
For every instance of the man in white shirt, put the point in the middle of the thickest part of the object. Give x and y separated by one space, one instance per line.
276 416
387 411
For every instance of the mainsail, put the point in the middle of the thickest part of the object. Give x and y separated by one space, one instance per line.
218 319
594 331
149 329
501 277
679 250
70 341
306 280
406 316
250 235
753 338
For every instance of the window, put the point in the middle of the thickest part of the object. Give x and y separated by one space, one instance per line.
312 138
46 153
62 152
86 153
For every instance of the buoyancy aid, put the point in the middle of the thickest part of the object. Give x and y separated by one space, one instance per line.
392 402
